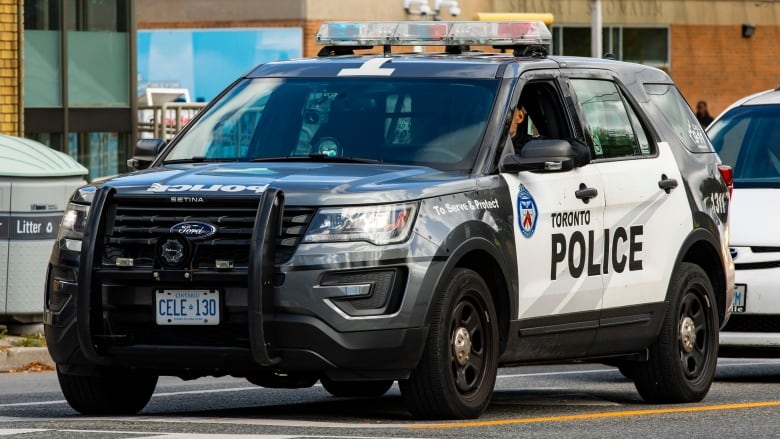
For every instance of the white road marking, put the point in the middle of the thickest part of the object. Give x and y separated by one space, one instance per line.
167 435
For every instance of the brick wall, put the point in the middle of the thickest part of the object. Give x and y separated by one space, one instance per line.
10 84
310 47
715 64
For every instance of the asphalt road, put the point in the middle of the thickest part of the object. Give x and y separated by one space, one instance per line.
574 401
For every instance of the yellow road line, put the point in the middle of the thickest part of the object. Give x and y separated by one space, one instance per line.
602 415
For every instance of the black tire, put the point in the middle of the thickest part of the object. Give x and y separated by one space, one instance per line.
360 389
682 360
111 393
627 369
457 371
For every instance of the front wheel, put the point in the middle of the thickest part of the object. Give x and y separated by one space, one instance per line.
457 372
113 392
683 358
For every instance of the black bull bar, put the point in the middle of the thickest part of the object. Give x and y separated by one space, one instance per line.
267 228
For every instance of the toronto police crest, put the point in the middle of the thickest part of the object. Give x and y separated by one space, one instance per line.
526 212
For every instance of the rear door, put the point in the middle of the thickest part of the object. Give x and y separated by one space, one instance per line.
646 216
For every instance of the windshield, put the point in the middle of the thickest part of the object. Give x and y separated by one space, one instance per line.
748 139
435 122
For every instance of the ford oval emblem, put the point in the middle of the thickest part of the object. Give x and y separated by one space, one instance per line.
194 230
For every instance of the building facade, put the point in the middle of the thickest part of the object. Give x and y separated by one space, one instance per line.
716 50
79 93
11 116
70 70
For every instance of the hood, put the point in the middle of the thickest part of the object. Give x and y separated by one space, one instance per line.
303 183
753 217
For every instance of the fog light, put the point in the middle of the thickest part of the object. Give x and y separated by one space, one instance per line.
223 264
62 285
124 262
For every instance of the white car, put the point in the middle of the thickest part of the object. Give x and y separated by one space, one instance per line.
747 137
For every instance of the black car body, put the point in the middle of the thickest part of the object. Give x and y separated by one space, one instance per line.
362 219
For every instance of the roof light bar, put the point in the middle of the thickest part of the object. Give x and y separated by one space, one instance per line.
434 33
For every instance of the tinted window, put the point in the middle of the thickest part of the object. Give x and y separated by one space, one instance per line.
748 139
612 127
679 115
405 121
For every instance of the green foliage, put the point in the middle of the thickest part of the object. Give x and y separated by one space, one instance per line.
30 340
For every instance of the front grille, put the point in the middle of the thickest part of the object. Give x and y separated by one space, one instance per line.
134 226
753 323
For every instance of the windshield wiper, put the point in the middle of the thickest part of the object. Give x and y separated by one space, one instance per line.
199 159
329 158
318 157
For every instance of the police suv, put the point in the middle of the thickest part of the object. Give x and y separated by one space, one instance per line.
361 219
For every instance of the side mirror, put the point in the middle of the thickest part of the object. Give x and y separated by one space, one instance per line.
145 152
544 155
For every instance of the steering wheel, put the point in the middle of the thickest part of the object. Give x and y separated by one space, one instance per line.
328 147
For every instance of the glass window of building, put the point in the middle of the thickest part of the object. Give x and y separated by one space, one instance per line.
643 45
42 61
103 153
98 45
97 15
646 46
78 95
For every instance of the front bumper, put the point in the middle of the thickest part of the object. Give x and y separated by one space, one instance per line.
754 329
300 316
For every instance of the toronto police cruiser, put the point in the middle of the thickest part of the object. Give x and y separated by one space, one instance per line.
369 216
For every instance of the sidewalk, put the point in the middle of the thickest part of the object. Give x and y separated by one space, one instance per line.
16 358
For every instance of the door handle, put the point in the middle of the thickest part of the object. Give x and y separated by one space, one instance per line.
667 184
585 193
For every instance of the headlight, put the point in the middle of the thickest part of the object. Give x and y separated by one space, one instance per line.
74 222
384 224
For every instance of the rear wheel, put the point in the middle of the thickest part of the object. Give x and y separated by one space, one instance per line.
356 388
457 372
112 392
683 358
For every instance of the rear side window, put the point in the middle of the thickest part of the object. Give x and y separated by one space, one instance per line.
612 126
748 139
679 115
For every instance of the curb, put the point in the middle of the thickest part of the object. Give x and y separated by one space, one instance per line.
19 357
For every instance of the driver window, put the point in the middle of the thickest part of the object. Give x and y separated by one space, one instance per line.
539 114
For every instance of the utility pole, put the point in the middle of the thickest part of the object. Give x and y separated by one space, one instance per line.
595 29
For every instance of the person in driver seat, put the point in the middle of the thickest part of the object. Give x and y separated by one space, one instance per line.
518 129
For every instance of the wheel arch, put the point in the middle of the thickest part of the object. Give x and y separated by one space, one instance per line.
702 248
481 256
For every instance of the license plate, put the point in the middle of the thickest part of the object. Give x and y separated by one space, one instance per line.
187 307
740 296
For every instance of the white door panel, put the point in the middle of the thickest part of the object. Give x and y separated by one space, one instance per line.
647 226
556 251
